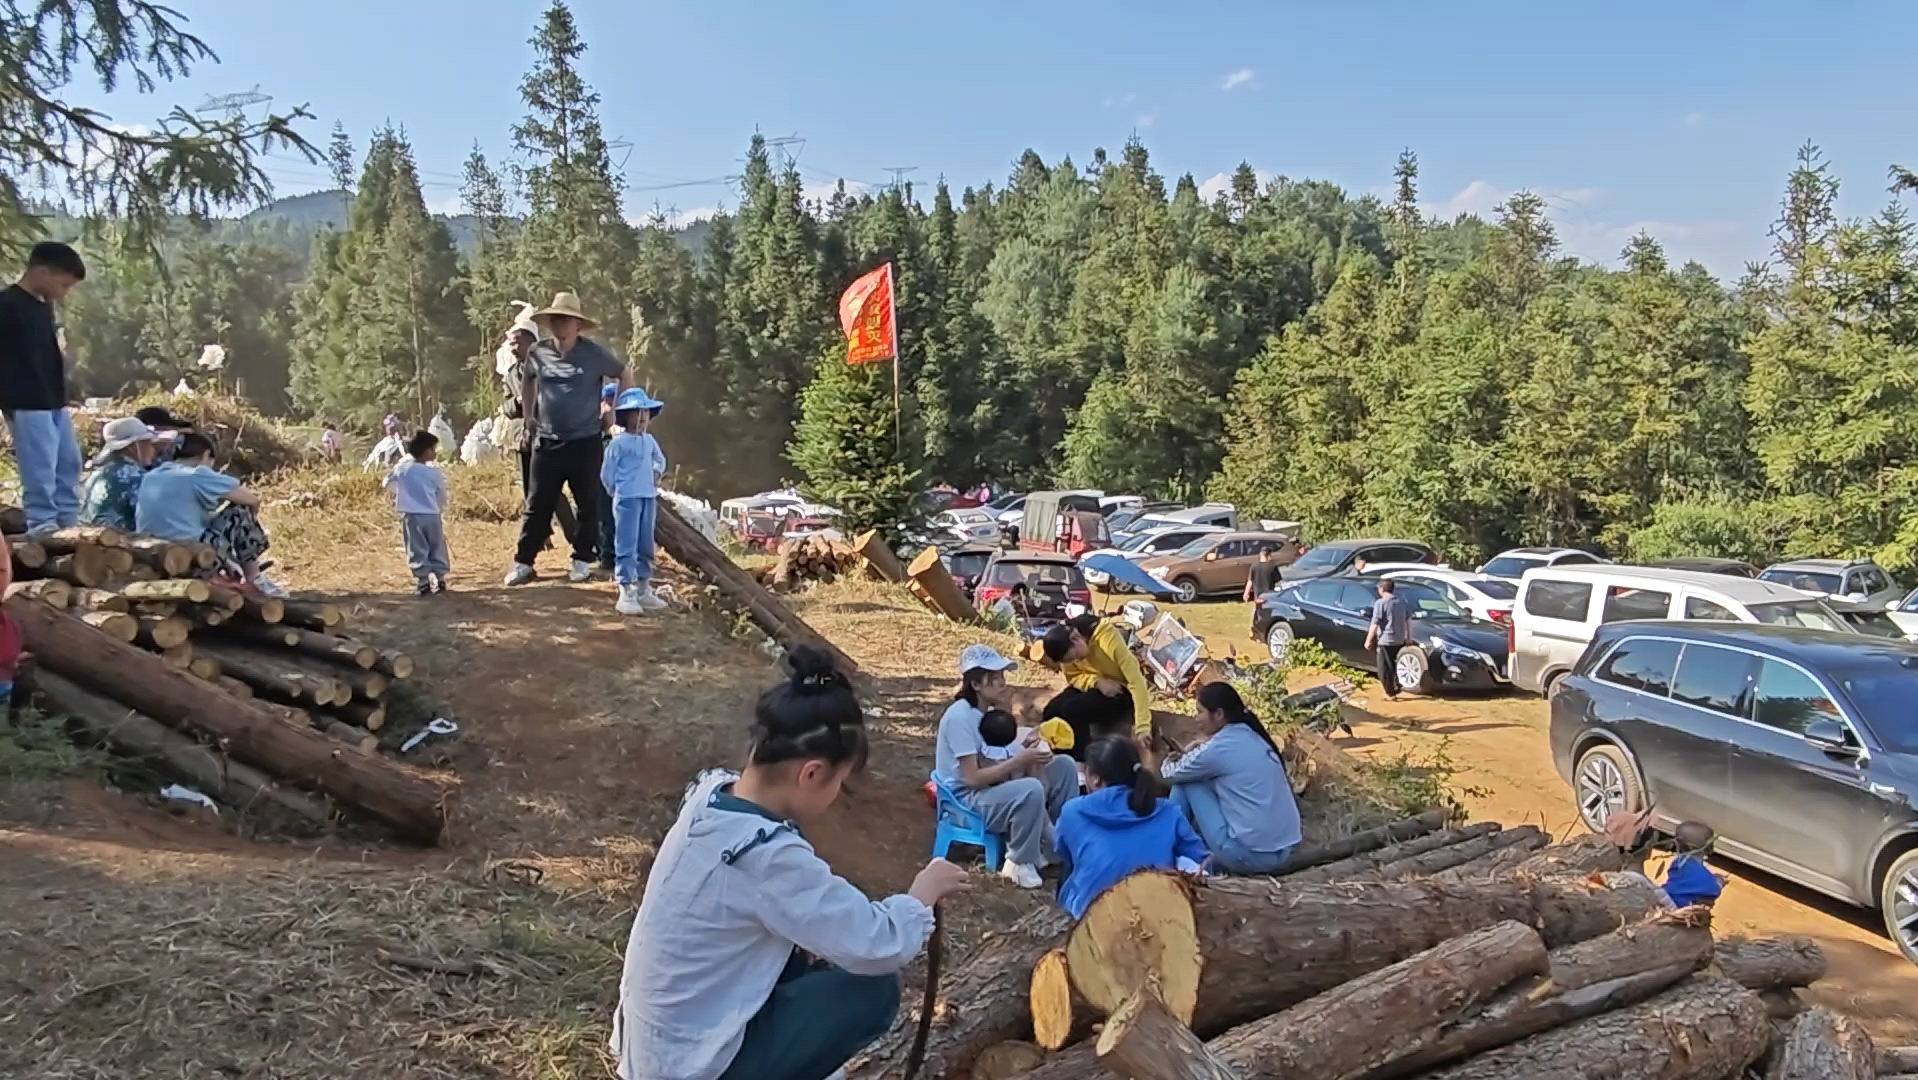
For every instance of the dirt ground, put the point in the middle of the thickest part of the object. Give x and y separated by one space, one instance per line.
1499 745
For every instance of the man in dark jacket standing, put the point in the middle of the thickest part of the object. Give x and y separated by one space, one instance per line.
33 387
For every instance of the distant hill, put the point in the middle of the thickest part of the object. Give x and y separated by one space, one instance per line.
307 214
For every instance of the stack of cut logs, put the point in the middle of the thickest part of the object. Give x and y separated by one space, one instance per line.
811 558
229 691
1474 953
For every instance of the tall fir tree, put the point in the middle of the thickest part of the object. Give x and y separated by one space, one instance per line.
847 447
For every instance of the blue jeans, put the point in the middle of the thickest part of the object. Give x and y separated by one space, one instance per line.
814 1022
1201 804
49 459
633 521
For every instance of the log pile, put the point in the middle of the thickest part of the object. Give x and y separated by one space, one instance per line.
1513 960
262 704
811 558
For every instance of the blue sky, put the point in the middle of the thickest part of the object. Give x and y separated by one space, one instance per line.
1680 118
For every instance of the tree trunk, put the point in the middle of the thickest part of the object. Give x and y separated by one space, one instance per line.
414 803
262 609
344 651
1897 1059
931 575
1235 950
52 592
1765 963
1370 840
271 637
1820 1045
161 634
220 596
873 548
982 1002
116 624
1007 1061
358 738
1609 972
133 734
308 615
1392 1012
182 591
1060 1016
271 679
1584 855
1368 862
99 600
367 714
170 559
27 555
685 544
70 539
234 686
1144 1041
119 561
85 565
1707 1028
1460 855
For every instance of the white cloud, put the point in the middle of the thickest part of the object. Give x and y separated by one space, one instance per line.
1145 120
1482 197
1237 79
1120 99
1693 119
1219 183
1584 231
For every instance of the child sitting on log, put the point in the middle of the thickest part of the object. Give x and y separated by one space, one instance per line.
1121 827
1688 876
718 983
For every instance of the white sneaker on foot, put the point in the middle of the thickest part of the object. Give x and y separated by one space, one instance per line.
266 586
629 601
520 574
1020 874
643 595
581 571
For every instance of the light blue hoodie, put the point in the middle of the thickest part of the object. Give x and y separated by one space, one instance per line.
1103 841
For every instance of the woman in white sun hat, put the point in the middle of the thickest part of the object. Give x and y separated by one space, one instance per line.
1009 794
113 488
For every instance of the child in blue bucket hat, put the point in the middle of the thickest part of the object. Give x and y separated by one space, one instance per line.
630 474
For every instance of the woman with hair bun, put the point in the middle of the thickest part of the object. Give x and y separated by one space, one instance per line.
720 981
1233 787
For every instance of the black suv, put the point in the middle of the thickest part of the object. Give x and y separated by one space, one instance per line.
1341 556
1799 747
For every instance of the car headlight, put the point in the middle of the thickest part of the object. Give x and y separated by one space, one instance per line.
1158 573
1454 651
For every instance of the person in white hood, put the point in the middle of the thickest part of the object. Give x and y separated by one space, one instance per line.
720 980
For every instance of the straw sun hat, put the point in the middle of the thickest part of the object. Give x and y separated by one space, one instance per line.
565 304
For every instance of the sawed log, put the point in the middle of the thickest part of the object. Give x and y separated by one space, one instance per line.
1768 963
1822 1045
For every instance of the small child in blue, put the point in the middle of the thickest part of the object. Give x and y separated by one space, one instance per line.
630 474
1688 880
419 494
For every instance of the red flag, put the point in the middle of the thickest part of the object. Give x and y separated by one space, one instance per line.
865 314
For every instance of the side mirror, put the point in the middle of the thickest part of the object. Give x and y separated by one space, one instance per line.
1211 556
1830 736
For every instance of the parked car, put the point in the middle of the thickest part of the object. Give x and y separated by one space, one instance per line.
1512 564
1851 579
968 525
1381 569
1217 563
1705 565
1067 521
1339 556
1560 609
1006 504
1144 546
1127 520
1798 747
1052 582
1449 647
1223 515
967 564
1870 618
1487 599
1905 613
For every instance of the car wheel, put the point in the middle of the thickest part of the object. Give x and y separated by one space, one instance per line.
1551 683
1414 670
1278 640
1188 589
1119 587
1898 902
1605 783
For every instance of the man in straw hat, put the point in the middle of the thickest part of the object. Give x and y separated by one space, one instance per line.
510 363
561 379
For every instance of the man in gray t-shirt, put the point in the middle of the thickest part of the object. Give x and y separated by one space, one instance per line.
1391 629
561 378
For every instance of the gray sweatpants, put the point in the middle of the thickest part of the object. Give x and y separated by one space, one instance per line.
425 538
1024 809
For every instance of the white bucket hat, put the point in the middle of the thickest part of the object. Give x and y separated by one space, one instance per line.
117 435
983 658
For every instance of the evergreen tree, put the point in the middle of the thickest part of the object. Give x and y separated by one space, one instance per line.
340 158
847 447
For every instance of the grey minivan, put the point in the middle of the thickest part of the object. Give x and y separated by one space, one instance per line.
1798 746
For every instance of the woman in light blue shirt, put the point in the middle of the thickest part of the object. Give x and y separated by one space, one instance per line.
188 501
1233 787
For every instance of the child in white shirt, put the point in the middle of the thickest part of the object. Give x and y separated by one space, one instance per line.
630 474
419 494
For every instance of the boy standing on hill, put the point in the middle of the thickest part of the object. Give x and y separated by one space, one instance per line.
419 494
630 474
33 387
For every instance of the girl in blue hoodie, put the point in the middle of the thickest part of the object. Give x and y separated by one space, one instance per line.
1120 828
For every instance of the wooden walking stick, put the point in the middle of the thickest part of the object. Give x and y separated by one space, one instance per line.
935 951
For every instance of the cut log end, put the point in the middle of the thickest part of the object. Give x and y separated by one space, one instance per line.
1143 1040
116 624
1138 932
1051 1001
1821 1045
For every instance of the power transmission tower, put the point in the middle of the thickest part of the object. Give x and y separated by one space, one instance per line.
234 105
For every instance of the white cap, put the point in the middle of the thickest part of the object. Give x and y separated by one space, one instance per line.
983 658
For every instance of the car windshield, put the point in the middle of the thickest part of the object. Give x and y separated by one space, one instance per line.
1119 519
1806 580
1510 566
1875 624
1198 547
1004 502
1322 558
1807 613
1131 541
1495 588
1885 696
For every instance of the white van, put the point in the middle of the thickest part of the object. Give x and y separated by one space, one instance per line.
1218 515
1560 608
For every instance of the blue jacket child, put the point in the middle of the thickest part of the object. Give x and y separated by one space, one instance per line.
630 474
1120 828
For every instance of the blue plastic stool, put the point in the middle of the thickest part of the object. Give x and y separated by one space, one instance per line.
959 823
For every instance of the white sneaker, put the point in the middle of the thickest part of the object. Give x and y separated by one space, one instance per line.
1020 874
643 595
629 603
520 574
582 571
266 586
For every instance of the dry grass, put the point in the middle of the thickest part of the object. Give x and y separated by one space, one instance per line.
250 443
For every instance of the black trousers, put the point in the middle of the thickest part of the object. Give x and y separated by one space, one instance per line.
558 467
1091 715
562 514
1387 657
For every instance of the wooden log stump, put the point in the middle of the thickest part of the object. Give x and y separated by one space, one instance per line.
179 658
234 686
1707 1028
100 600
262 609
86 566
203 667
359 739
159 634
1822 1045
116 624
13 520
119 562
370 715
394 665
873 548
273 677
168 558
136 735
930 574
343 651
319 617
70 539
52 592
414 803
1368 862
27 555
1764 963
1060 1016
1144 1041
179 591
276 637
223 596
143 572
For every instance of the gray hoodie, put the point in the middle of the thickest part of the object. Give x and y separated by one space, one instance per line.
731 894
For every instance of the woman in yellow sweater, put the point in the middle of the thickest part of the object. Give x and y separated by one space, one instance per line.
1105 688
